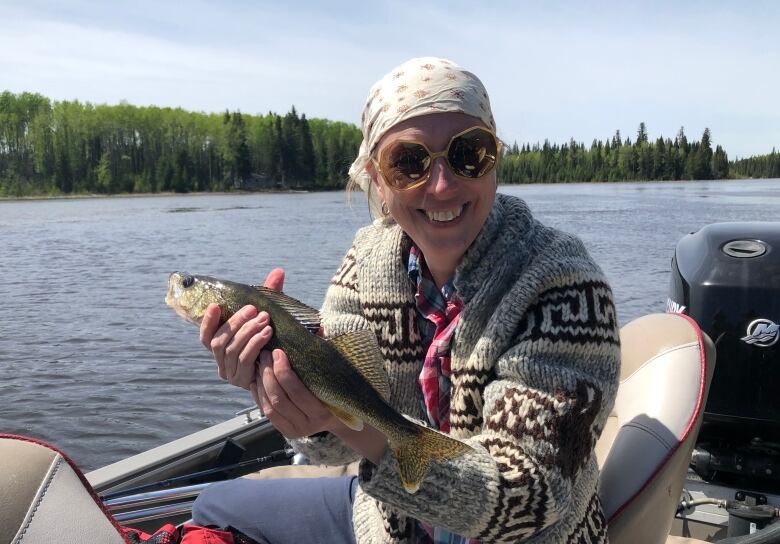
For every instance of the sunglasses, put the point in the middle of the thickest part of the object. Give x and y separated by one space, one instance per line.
470 154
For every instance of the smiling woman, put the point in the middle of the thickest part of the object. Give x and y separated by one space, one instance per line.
444 214
493 329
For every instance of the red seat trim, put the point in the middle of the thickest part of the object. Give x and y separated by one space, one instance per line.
77 470
691 423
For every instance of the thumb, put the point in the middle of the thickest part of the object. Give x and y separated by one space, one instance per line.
275 279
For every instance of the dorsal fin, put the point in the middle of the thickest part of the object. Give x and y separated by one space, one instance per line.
362 350
305 315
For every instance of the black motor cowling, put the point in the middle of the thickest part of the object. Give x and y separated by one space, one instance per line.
726 276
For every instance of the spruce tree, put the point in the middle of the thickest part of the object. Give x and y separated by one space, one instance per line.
641 134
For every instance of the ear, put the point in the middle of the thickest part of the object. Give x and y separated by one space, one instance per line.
371 169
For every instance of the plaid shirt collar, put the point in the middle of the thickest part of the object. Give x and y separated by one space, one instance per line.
435 298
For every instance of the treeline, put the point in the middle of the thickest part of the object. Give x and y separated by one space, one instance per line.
761 166
617 159
72 147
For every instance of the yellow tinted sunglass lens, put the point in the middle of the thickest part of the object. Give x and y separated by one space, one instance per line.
473 153
405 163
470 154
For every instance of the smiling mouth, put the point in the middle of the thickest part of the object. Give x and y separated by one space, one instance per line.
444 216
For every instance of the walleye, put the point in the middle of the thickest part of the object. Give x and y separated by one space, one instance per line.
344 372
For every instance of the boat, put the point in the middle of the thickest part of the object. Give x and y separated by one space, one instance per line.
691 452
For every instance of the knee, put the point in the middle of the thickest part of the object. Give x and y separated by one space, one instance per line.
213 506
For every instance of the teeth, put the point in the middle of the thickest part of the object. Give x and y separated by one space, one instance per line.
444 216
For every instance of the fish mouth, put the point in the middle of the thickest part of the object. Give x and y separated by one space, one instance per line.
174 289
174 296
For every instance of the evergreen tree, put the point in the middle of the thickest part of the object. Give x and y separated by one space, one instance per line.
720 164
238 159
306 157
701 160
641 134
616 141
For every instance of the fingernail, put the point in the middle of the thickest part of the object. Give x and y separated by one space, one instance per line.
276 354
267 331
249 311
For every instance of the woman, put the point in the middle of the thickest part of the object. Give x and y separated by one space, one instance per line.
494 328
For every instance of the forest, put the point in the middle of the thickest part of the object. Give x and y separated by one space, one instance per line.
618 159
69 147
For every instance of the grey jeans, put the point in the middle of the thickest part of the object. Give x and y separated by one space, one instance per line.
281 511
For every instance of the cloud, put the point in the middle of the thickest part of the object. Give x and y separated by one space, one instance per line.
556 70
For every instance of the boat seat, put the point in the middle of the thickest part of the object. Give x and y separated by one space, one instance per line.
44 498
644 451
673 539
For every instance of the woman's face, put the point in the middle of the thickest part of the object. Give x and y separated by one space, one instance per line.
444 215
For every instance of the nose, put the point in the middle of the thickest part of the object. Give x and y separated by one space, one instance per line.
442 178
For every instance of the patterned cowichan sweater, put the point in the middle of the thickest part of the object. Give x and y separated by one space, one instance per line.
535 366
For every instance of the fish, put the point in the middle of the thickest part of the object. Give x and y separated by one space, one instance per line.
345 372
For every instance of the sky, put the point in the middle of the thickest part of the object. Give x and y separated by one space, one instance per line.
554 70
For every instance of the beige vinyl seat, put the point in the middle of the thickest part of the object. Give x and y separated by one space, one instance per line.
645 449
45 499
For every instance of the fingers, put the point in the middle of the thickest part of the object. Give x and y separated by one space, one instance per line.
255 396
273 401
262 361
315 411
286 401
209 325
222 338
275 279
244 350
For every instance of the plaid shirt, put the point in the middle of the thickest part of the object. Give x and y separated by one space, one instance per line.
438 312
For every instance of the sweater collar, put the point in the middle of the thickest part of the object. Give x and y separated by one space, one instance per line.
500 249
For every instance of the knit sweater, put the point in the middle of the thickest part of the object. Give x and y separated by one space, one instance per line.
535 366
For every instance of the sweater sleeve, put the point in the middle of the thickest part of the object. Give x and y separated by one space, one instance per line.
340 314
540 402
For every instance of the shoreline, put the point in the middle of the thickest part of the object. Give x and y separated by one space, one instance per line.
87 196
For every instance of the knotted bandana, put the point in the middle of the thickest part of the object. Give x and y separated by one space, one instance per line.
420 86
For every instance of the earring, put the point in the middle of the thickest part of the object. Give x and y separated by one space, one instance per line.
385 209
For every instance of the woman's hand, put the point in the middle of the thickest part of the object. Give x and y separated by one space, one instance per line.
237 344
296 412
286 401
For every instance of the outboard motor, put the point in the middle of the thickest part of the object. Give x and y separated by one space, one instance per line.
726 276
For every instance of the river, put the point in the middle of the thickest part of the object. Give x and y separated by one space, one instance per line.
93 361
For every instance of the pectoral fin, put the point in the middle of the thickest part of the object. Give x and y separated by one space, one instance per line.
362 350
354 423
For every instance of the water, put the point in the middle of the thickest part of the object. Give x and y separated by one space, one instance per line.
93 361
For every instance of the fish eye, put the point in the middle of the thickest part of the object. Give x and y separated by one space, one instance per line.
187 281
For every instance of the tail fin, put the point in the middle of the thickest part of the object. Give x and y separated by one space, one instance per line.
415 454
